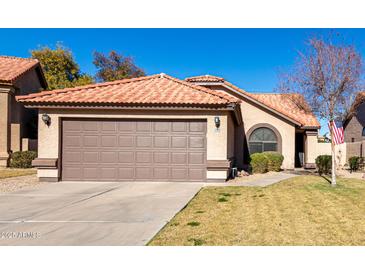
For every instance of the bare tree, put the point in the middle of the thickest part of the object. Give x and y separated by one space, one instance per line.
328 75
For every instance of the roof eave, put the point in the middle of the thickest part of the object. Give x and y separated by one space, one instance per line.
40 105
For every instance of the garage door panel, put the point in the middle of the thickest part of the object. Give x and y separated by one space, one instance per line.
143 141
179 126
108 173
196 142
73 141
145 172
161 158
90 126
109 157
161 173
126 173
179 142
109 141
126 141
161 142
179 158
143 126
72 156
161 127
90 173
127 127
114 150
90 141
143 157
72 126
126 156
109 127
71 173
179 173
91 157
197 158
197 174
197 127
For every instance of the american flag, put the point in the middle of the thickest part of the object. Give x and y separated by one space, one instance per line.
338 134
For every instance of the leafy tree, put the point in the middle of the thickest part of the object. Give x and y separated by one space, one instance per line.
329 75
60 68
115 67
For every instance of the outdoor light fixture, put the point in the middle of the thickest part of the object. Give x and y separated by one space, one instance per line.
46 119
217 122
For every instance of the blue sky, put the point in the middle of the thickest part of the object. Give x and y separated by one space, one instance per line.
249 58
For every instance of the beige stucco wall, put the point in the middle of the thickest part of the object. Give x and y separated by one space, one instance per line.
49 136
4 125
325 149
253 115
310 148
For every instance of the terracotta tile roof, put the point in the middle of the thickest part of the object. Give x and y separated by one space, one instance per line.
205 78
149 90
11 68
292 106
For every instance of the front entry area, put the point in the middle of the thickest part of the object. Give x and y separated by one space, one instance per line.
299 149
133 150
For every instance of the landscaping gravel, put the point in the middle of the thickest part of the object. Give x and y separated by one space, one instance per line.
17 183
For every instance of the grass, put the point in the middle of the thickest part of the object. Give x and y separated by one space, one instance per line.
10 172
303 210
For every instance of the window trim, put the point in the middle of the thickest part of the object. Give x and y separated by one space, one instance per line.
256 126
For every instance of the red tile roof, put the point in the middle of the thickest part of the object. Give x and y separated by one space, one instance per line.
292 106
149 90
205 78
11 68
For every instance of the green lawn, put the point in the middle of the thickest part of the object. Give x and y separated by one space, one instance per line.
303 210
10 172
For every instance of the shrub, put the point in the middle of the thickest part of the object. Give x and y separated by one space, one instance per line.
275 160
324 163
22 159
354 163
259 163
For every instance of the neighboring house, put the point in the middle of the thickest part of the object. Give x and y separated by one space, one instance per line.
18 76
165 129
354 128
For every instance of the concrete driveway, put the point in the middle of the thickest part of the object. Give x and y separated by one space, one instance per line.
75 213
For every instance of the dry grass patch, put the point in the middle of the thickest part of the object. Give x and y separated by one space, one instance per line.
303 210
15 172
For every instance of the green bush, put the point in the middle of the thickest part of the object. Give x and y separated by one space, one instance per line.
259 163
275 160
354 163
22 159
324 163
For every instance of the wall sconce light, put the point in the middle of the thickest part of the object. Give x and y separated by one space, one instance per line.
217 122
46 119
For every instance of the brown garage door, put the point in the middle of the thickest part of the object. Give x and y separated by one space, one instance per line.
116 150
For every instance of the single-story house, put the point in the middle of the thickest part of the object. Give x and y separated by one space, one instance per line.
165 129
18 76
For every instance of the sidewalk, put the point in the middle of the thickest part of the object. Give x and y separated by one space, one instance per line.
264 180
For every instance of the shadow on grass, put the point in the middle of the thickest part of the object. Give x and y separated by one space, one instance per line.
326 178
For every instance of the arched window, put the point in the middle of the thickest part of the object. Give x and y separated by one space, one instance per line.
262 139
363 132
